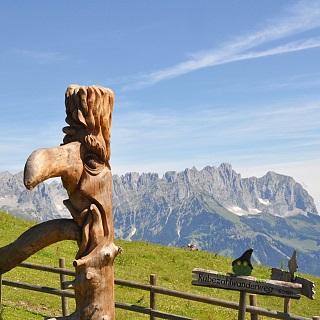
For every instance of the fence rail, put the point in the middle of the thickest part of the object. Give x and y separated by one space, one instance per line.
151 288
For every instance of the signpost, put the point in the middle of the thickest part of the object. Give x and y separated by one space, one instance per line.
244 284
283 284
209 278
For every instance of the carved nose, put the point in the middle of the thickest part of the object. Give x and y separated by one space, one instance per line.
28 184
43 164
35 168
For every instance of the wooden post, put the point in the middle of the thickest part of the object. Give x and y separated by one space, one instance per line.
242 306
153 301
0 290
83 163
286 308
64 300
253 302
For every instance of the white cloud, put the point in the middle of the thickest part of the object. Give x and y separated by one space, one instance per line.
301 81
40 57
209 125
255 139
302 17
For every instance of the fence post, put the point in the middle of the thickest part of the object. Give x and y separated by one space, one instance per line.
242 306
286 308
0 290
253 302
64 300
153 300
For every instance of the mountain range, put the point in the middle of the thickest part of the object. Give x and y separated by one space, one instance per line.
214 209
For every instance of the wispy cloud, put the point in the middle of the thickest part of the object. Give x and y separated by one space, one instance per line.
40 57
287 124
304 16
282 137
301 81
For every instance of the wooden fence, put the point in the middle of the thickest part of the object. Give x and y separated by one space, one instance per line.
153 290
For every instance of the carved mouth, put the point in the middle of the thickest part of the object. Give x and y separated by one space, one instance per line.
79 218
91 223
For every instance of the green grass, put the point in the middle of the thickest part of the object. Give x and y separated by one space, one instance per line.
172 266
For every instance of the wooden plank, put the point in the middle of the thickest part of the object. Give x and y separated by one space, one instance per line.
41 267
148 311
210 278
34 287
183 295
307 285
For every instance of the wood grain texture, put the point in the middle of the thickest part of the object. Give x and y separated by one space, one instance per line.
83 163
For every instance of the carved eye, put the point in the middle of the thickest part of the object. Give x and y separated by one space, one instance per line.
93 163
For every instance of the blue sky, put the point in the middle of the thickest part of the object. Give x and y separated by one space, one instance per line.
197 83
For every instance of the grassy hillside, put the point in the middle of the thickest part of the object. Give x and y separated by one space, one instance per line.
173 267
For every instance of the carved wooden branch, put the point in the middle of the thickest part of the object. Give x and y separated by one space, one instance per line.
35 239
83 163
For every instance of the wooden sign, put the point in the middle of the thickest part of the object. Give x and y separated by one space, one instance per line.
307 285
209 278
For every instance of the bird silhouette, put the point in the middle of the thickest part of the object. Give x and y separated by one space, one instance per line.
242 266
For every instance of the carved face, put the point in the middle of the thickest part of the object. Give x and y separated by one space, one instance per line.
87 180
82 161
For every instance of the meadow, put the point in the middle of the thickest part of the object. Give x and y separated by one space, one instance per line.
172 266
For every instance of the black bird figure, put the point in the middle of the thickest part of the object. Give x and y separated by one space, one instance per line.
242 266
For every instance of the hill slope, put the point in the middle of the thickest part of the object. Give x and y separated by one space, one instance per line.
172 266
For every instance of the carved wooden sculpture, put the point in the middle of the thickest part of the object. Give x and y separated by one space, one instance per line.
83 163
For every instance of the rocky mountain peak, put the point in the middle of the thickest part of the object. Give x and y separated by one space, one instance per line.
214 208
